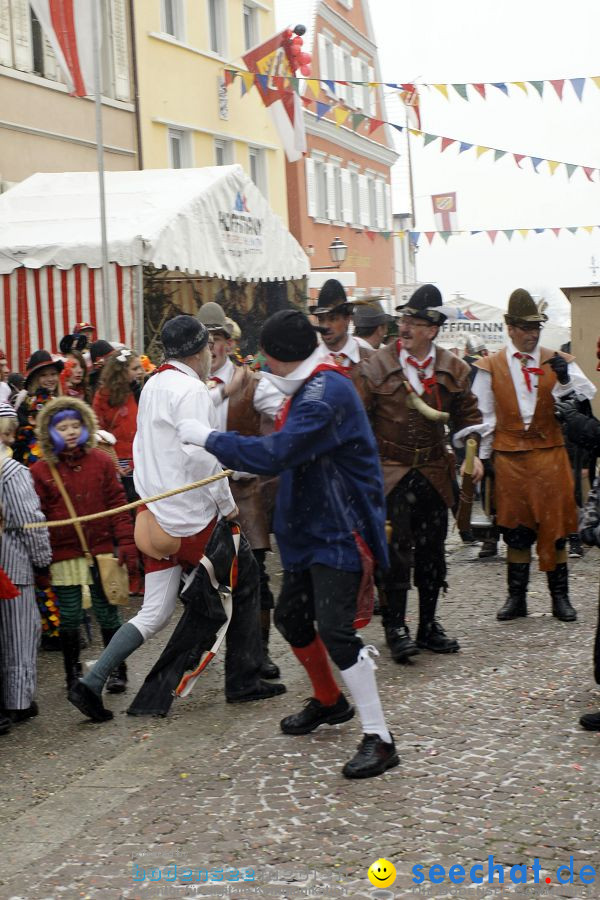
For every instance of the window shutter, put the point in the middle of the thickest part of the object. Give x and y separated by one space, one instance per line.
50 63
120 46
380 197
356 76
346 196
372 110
311 187
363 194
323 71
389 224
5 45
330 180
340 75
21 28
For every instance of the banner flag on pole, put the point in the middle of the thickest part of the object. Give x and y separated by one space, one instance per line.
410 97
68 27
444 211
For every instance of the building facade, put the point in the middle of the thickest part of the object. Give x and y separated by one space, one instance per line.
42 127
342 188
188 118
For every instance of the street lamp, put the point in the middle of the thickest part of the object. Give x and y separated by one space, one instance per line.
337 251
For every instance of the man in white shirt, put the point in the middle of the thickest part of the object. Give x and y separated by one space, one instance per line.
516 388
333 312
184 522
245 402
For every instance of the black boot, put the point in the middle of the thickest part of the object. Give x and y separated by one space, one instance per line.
393 619
400 643
516 602
69 644
430 634
268 669
558 582
591 721
116 683
488 548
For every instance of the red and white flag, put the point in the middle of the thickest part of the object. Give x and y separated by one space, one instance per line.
444 212
410 97
68 26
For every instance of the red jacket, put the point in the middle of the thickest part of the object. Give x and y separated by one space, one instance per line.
92 484
121 421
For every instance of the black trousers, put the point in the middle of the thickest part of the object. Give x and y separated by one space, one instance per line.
522 538
328 597
267 600
419 519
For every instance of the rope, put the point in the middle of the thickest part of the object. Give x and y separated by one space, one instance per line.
120 509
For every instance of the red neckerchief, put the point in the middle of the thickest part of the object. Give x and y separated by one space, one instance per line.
165 368
281 417
429 382
528 371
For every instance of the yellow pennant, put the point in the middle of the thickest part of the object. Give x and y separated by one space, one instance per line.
443 89
596 80
314 85
415 132
588 228
520 84
248 79
481 150
340 114
524 232
553 166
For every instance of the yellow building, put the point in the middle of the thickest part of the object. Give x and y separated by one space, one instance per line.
187 117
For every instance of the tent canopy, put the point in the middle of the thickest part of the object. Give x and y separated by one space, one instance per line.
481 320
212 221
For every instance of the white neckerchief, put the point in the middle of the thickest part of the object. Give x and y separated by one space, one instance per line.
291 384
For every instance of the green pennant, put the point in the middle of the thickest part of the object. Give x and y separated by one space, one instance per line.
570 169
386 235
445 235
294 83
572 230
539 86
462 90
357 118
509 233
498 154
429 138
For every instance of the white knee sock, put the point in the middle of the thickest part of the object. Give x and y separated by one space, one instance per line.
361 683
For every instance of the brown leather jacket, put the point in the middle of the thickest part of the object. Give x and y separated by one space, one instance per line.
406 439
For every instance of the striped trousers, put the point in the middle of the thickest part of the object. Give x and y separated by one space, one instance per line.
20 630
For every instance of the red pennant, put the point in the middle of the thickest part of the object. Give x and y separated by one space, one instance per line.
558 86
279 82
480 88
447 142
307 101
589 172
519 157
229 76
556 231
430 235
492 235
374 124
370 234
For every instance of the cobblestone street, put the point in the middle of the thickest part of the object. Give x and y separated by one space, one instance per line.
493 762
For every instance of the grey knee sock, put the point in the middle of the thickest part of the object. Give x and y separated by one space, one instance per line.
125 641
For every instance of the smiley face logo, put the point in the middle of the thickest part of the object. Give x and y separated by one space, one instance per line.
382 873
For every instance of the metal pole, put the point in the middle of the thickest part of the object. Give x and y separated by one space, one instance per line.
106 300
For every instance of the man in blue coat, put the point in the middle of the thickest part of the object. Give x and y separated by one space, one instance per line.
330 514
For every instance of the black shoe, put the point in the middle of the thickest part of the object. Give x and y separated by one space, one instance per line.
488 548
558 583
591 721
262 691
117 680
575 547
51 642
315 714
400 643
514 608
433 637
268 669
562 609
467 537
373 757
89 703
5 724
20 715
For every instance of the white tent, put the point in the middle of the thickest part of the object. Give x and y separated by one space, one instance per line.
211 222
480 320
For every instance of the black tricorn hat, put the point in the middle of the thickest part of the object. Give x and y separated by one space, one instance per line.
425 303
73 341
41 359
332 298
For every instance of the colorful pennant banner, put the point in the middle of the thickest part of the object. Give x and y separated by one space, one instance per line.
430 236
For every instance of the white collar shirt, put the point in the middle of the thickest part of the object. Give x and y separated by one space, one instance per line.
346 356
162 462
411 372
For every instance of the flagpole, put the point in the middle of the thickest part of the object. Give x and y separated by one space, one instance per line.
410 172
106 305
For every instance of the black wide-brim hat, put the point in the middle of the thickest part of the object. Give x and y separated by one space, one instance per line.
332 299
426 303
41 359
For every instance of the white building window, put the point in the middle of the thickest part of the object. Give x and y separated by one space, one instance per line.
251 35
355 197
217 26
372 203
321 188
258 168
337 184
223 153
347 4
366 90
180 148
172 18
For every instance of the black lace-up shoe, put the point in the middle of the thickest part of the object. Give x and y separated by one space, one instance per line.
315 714
373 757
591 721
400 643
261 691
89 703
433 637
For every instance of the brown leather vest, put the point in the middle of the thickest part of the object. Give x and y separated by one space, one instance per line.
241 415
511 435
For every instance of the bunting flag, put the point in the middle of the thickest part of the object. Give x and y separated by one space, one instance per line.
492 233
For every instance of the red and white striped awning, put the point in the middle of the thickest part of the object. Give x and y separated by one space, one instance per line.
39 306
